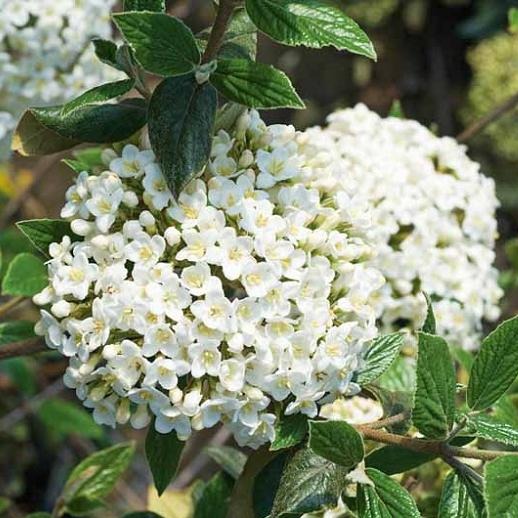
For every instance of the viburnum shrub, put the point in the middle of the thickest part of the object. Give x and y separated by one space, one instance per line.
211 269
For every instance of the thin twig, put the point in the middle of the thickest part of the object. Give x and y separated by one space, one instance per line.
495 114
10 305
389 421
24 348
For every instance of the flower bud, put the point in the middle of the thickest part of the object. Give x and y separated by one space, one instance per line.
81 227
61 309
172 236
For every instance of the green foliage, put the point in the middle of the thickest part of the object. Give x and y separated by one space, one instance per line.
394 459
16 331
266 484
215 498
42 232
231 460
493 429
308 483
163 452
429 325
241 37
26 275
144 5
106 52
455 500
311 23
385 498
290 430
380 356
162 44
181 135
513 19
434 408
255 84
336 441
501 487
93 478
495 367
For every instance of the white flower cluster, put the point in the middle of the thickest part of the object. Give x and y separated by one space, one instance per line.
434 219
45 52
247 298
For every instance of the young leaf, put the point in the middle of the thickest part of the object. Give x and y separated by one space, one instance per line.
231 460
16 331
434 408
94 477
181 122
455 500
163 452
429 325
393 459
26 275
386 498
106 52
255 84
42 232
312 23
308 483
336 441
380 356
144 5
215 497
162 44
290 430
492 429
501 487
495 367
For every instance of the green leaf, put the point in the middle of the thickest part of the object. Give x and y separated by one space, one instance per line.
400 377
505 411
386 499
434 407
396 110
42 232
495 367
429 325
380 356
241 37
266 483
16 331
64 418
308 483
231 460
181 135
290 430
215 498
492 429
163 453
455 499
144 5
94 477
26 275
312 23
5 503
513 19
255 84
392 459
501 487
336 441
82 506
463 357
106 52
162 44
21 372
227 116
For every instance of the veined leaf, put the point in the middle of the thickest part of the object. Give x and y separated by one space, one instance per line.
16 331
215 497
42 232
290 430
312 23
455 500
429 325
393 459
492 429
231 460
501 487
144 5
26 275
106 52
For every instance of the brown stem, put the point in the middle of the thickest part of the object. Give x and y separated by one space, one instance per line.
9 305
32 346
217 34
488 119
389 421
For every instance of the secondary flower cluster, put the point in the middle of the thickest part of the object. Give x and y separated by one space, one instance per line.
434 218
45 52
246 299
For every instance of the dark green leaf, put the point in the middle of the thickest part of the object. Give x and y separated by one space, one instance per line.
396 110
455 500
215 498
506 411
144 5
492 429
392 459
336 441
266 484
162 44
501 487
513 19
308 483
16 331
429 325
21 372
26 275
380 356
94 477
312 23
163 453
255 84
290 430
42 232
231 460
463 357
106 51
181 135
83 505
400 377
434 407
386 499
242 35
495 367
63 418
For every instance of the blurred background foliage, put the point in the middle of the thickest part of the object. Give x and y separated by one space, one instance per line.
448 62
